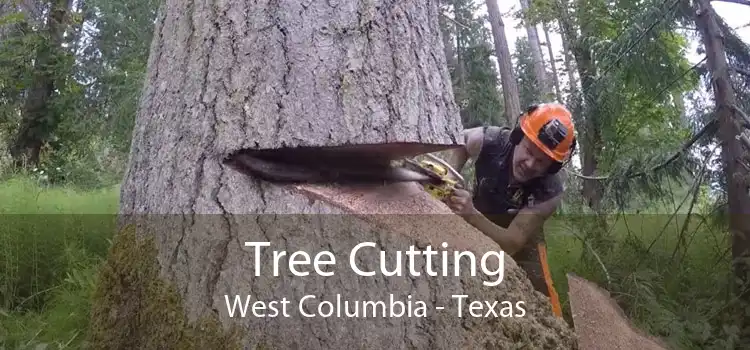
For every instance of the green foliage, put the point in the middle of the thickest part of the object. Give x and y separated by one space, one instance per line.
475 80
668 273
117 63
97 86
483 105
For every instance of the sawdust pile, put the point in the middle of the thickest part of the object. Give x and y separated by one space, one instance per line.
404 210
600 323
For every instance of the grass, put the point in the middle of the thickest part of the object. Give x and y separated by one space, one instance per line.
53 239
51 242
671 281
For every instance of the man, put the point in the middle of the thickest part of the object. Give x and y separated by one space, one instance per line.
517 185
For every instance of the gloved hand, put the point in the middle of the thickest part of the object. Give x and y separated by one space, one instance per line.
460 202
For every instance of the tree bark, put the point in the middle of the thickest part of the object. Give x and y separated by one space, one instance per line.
737 176
231 76
508 80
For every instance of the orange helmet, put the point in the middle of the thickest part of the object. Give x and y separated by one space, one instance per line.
550 127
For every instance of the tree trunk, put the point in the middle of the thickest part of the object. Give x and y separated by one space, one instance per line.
569 68
447 41
737 176
460 62
590 136
231 76
555 79
536 56
38 119
508 80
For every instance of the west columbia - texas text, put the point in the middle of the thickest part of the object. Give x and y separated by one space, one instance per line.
312 306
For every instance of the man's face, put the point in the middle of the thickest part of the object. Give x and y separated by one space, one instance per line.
529 161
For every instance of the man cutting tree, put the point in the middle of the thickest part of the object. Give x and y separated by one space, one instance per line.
517 186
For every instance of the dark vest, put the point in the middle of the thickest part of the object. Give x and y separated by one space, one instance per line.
493 194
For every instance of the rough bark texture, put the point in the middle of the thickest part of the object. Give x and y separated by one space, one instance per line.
226 76
230 76
510 85
600 323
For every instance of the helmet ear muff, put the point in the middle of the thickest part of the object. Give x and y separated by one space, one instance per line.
516 135
557 166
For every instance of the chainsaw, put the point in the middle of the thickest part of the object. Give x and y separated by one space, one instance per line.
446 178
321 165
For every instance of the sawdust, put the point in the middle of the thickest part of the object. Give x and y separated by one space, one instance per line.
397 206
600 323
404 209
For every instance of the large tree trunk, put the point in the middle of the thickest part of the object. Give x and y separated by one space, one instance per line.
508 80
228 76
553 64
536 56
737 176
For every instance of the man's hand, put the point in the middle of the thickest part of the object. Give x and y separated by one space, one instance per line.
460 202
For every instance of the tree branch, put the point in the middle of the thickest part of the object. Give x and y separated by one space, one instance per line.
706 129
745 118
453 20
741 71
741 2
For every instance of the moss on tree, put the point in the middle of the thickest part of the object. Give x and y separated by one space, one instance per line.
134 308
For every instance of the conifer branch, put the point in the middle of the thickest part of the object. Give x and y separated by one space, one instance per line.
710 127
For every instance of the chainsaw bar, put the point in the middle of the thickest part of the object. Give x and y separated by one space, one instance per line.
326 170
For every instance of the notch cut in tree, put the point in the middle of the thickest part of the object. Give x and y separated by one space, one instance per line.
226 77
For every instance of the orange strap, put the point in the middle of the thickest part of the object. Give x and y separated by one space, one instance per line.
556 309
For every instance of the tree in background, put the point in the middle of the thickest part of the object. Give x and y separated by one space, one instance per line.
473 73
529 91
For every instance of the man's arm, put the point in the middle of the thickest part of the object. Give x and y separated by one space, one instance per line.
473 139
524 225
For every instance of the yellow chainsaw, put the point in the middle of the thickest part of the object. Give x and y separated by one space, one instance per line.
344 166
444 179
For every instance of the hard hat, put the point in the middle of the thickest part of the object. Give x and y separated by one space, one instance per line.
550 127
